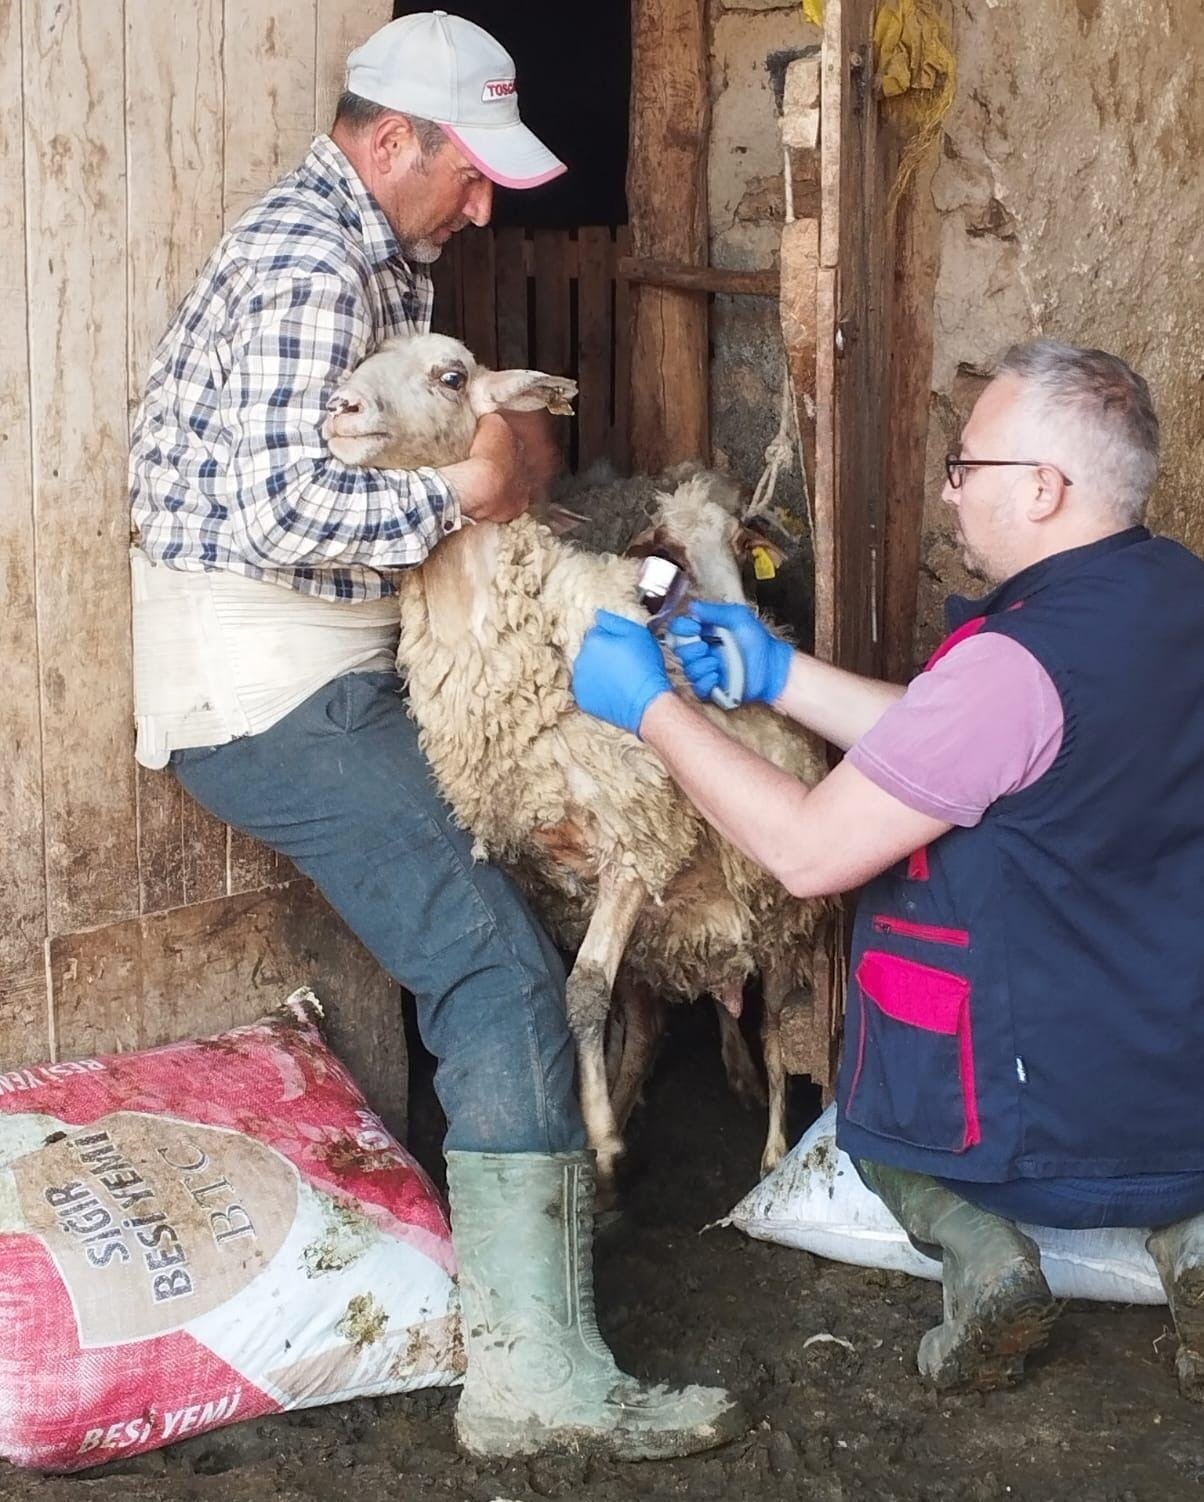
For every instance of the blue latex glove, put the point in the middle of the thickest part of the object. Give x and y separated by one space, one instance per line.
619 671
766 657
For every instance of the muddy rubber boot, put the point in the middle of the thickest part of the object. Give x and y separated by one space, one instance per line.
1178 1253
540 1378
998 1307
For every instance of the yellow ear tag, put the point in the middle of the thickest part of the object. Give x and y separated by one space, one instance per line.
763 564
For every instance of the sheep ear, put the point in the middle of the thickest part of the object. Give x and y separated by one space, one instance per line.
766 553
522 391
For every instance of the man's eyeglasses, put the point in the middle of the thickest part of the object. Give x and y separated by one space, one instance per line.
955 467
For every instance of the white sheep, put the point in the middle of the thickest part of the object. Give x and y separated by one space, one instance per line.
616 860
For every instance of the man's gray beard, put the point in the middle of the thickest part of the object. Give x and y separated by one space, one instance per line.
974 565
424 252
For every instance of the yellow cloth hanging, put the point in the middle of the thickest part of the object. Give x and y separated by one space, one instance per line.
910 48
814 11
916 66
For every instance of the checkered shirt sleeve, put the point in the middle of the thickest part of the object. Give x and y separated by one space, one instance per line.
294 504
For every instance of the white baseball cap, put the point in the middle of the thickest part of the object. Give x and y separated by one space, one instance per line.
446 69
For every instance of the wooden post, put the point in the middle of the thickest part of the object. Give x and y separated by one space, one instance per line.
917 254
667 207
853 395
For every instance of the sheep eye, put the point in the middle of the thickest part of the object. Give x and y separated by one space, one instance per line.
453 379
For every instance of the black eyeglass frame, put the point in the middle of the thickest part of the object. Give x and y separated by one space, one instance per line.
954 464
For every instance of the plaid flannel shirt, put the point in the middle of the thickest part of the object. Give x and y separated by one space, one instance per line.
228 468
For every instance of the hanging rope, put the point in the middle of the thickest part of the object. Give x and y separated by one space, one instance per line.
779 454
787 441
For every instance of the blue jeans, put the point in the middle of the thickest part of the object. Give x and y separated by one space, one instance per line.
341 788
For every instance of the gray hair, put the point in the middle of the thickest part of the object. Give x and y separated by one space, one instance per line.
1111 408
355 114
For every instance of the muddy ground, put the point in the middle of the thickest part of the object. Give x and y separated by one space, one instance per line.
1099 1419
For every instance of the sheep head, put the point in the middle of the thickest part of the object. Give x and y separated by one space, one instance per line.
416 401
702 525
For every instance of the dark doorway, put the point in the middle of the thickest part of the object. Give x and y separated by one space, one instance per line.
574 82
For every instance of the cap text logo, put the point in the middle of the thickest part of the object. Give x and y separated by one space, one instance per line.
499 88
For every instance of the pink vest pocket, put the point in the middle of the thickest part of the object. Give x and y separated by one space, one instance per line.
914 1076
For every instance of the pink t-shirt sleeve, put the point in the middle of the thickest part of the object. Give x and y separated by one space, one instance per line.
984 722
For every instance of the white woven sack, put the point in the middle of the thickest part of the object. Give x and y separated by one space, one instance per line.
815 1200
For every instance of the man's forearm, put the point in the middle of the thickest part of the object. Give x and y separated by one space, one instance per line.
752 803
835 704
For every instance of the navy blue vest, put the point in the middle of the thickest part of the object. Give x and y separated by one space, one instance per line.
1027 997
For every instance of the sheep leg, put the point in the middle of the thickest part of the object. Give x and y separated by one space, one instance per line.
644 1019
776 988
742 1076
587 1000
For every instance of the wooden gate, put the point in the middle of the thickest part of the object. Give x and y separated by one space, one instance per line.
548 300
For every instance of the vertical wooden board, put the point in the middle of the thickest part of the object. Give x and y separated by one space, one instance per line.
510 279
341 26
25 1036
552 351
594 343
667 200
866 390
174 100
251 866
23 870
825 463
75 168
477 290
911 338
836 125
856 248
447 315
553 347
268 60
199 969
205 841
160 840
620 437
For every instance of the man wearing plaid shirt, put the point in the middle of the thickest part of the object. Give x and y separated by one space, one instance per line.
265 632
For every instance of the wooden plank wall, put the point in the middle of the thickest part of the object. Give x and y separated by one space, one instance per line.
548 300
109 204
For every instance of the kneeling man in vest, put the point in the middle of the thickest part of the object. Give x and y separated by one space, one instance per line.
1025 1029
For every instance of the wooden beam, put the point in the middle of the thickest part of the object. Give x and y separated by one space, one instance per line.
667 206
917 254
75 196
699 278
853 397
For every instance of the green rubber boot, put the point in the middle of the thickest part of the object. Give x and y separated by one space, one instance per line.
998 1307
1178 1253
540 1378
